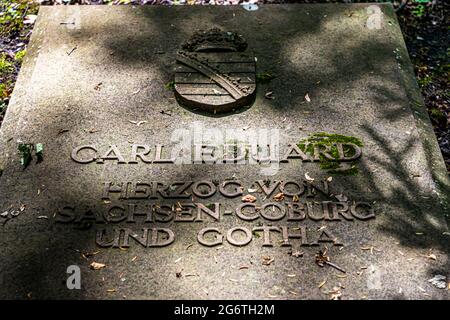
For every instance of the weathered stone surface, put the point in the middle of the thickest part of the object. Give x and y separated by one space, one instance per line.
92 82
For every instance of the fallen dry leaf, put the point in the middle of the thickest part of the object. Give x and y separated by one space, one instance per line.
336 293
191 275
370 248
269 95
307 98
439 281
89 254
308 177
97 266
248 198
322 258
278 196
322 283
431 256
297 254
30 19
266 260
137 123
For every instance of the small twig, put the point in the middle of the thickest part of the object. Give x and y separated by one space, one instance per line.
166 112
69 53
335 266
322 259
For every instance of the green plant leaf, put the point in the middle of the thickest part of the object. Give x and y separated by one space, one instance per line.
5 65
39 151
25 150
3 107
19 55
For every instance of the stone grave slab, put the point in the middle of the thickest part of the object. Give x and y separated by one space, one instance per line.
280 153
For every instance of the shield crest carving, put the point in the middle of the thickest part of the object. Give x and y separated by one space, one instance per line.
214 73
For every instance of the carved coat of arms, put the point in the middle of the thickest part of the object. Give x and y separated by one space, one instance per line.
214 73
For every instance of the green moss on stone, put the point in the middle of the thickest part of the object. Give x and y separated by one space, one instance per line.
264 77
323 139
170 85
